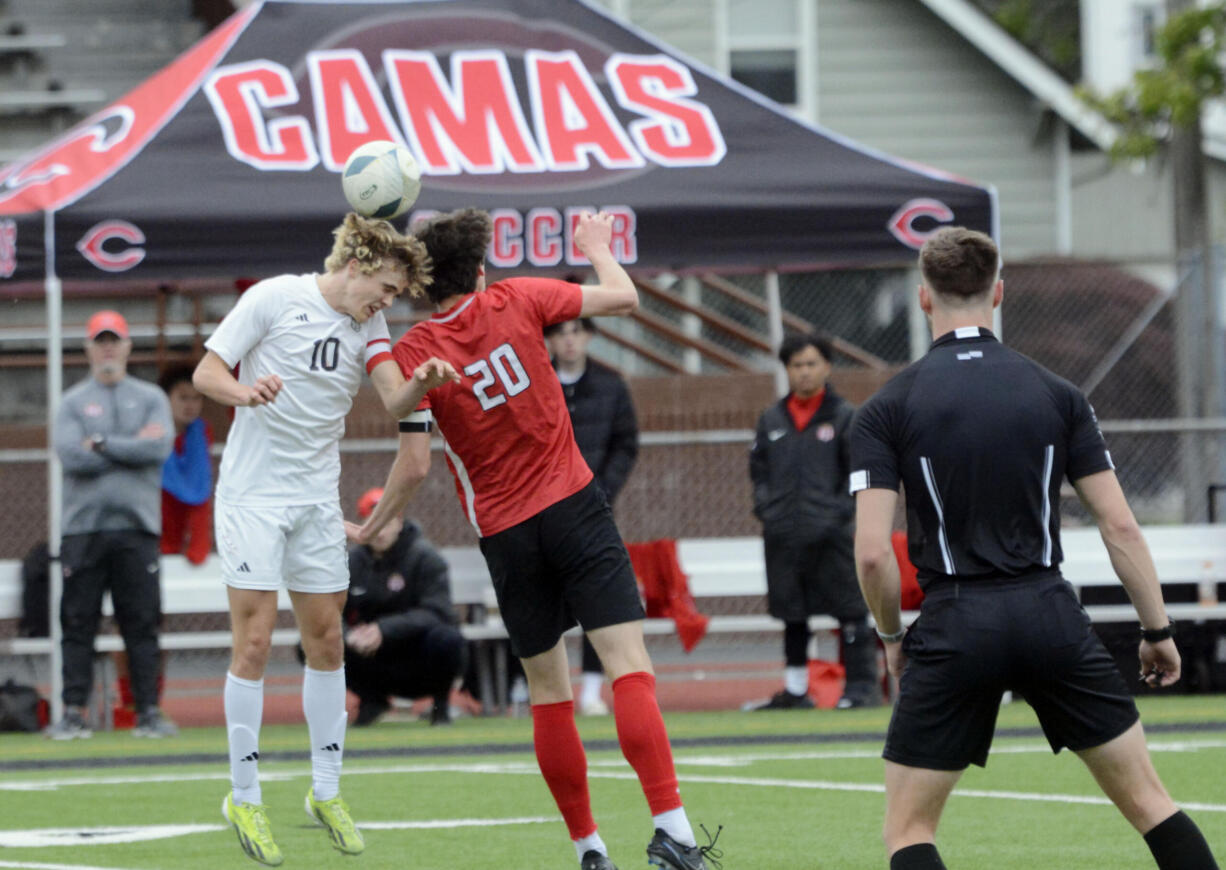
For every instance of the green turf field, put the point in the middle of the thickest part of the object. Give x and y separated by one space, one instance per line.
792 790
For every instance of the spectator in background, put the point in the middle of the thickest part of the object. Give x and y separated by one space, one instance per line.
607 433
799 468
401 632
112 434
187 476
35 588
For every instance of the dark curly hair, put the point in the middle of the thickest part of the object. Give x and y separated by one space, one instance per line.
456 242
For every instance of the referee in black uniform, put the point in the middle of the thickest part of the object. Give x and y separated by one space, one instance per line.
981 438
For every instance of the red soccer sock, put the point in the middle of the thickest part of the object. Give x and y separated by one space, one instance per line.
644 742
559 752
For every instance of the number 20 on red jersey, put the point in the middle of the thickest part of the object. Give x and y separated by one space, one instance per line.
502 371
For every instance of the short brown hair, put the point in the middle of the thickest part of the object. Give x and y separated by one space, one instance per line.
959 264
376 245
456 242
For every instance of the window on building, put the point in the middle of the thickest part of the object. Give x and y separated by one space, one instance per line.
771 73
767 43
1147 18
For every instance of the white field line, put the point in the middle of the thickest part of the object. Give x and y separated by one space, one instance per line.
99 836
820 785
126 779
820 755
732 760
738 760
456 823
77 837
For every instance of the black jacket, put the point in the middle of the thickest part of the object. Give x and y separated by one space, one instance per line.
800 478
606 429
405 591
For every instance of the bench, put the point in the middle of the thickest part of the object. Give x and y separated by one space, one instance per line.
21 43
1190 556
37 101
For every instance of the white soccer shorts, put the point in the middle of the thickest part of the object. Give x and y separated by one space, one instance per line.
302 546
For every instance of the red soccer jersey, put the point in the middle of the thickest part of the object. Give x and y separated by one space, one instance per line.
507 433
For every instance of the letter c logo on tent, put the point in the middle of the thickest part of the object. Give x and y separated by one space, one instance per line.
91 246
902 223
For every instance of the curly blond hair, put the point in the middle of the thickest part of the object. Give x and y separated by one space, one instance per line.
375 245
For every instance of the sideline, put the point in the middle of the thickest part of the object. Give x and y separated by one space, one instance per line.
610 745
77 837
530 766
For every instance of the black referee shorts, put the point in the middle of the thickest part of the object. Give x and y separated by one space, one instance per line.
565 564
814 577
975 640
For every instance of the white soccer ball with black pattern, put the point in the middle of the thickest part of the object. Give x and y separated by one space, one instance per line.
381 180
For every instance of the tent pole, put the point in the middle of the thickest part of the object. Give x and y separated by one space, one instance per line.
774 326
55 386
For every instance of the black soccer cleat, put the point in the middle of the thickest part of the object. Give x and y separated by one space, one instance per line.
593 860
665 852
785 700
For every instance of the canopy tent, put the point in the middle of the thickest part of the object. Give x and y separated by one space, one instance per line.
227 162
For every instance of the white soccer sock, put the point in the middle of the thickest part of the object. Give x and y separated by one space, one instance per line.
244 705
676 824
590 842
592 684
323 702
796 679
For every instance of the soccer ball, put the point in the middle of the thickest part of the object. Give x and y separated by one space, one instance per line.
381 180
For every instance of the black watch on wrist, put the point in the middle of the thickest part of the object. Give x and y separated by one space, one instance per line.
1153 635
98 440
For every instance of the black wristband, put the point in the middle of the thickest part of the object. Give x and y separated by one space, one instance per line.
1153 635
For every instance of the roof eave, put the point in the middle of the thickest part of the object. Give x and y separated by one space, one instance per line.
1018 62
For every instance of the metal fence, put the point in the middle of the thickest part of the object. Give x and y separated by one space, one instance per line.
1110 329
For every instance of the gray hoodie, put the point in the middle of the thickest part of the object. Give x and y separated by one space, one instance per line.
120 486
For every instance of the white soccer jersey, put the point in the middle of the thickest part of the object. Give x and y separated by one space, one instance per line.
285 453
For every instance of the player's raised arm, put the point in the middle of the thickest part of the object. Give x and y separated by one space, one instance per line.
214 378
401 397
615 293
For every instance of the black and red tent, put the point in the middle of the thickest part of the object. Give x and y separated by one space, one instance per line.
227 162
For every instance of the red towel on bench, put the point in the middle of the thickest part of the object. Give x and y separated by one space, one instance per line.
666 589
912 595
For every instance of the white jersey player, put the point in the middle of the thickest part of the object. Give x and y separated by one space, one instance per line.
301 343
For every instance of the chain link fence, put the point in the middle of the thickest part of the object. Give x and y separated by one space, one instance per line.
1110 329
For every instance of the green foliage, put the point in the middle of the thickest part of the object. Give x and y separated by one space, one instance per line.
1049 28
1190 47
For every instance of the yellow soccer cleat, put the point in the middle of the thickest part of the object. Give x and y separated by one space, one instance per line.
250 822
334 815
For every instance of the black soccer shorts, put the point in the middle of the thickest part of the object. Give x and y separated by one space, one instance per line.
564 565
975 640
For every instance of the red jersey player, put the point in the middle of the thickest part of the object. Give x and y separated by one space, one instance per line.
545 528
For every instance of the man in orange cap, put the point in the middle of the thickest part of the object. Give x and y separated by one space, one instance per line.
401 633
112 434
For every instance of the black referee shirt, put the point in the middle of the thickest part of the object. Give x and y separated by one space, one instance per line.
982 438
